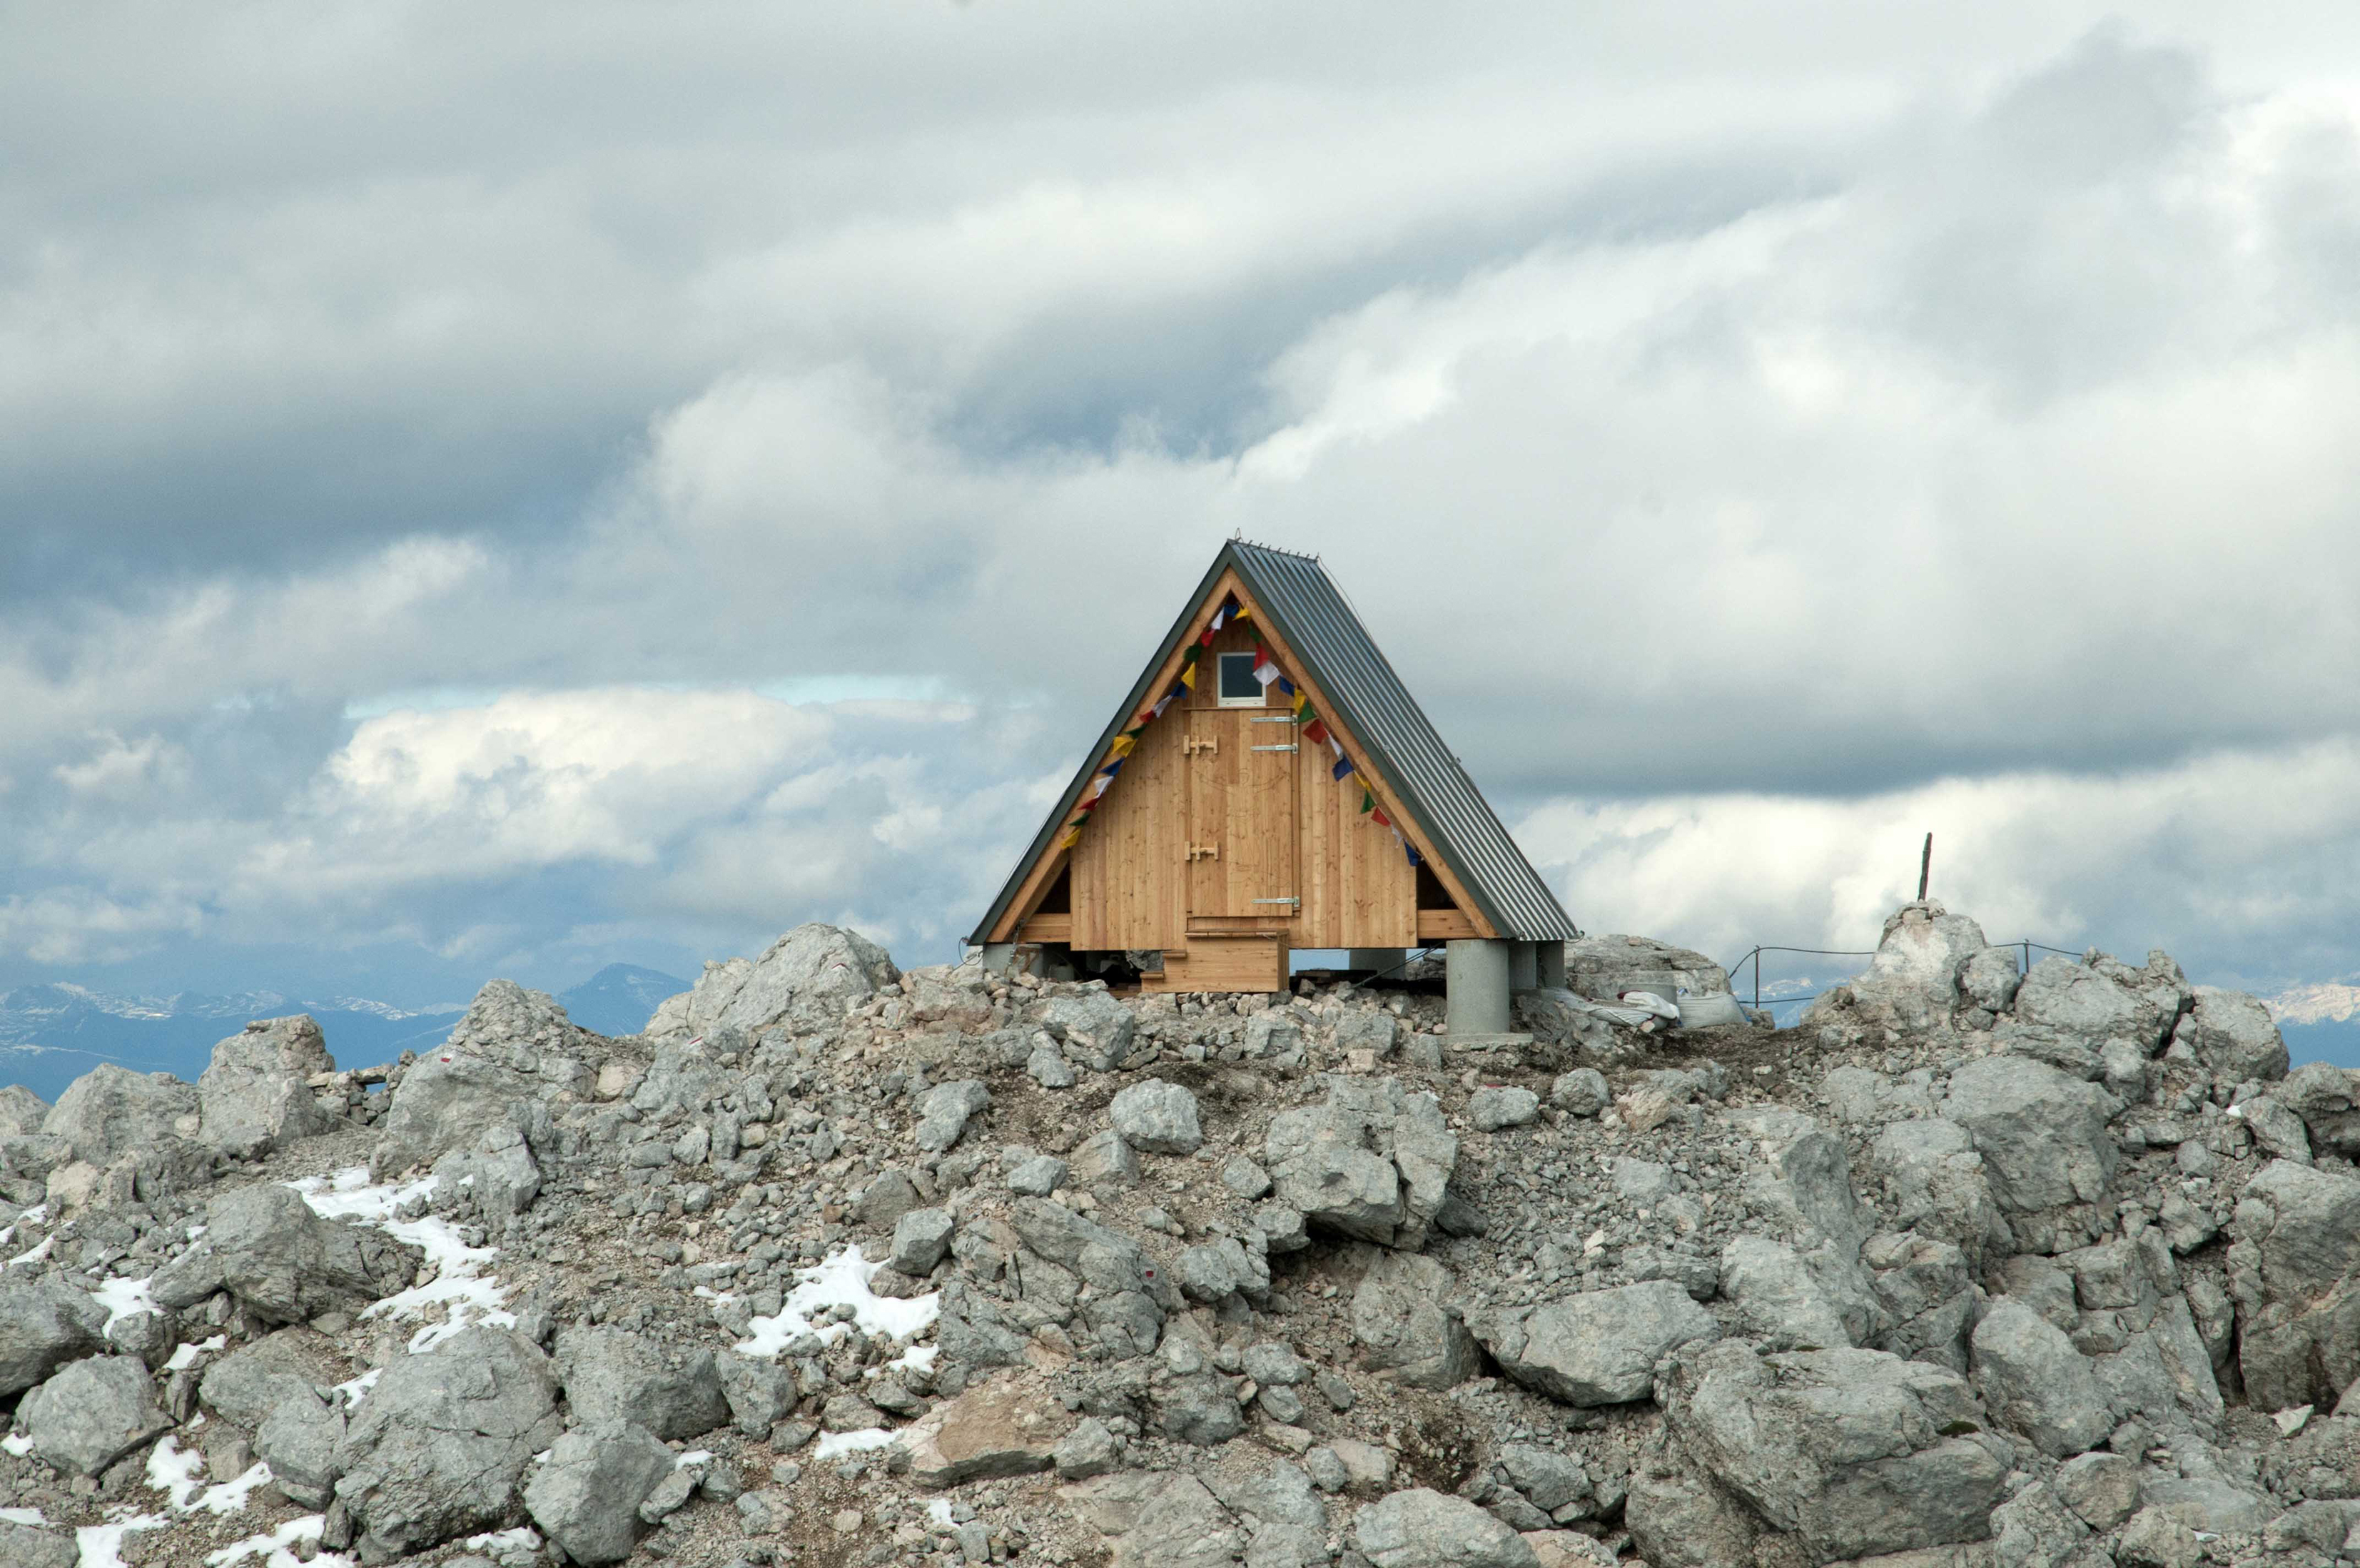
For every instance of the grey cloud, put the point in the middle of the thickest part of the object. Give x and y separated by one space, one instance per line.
1704 409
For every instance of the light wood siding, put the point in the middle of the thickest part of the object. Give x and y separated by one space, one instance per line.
1359 889
1283 825
1127 888
1241 815
1224 963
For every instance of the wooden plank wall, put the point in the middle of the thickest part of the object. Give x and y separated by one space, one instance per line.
1129 889
1131 877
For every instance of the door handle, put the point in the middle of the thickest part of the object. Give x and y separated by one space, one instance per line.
1204 851
1205 743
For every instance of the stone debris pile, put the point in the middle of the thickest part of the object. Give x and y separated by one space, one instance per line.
839 1264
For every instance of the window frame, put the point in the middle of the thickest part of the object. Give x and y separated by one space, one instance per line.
1261 697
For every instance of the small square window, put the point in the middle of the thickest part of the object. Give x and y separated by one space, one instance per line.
1237 686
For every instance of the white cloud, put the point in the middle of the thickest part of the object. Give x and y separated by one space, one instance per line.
1753 444
2243 860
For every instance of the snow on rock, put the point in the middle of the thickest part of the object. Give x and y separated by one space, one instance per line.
461 1292
841 1280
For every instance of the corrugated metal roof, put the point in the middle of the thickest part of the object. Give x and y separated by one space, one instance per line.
1361 685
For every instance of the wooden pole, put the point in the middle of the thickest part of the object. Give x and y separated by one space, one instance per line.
1925 867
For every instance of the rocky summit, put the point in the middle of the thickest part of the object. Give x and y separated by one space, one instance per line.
839 1264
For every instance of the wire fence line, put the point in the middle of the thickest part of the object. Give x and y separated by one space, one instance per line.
1753 955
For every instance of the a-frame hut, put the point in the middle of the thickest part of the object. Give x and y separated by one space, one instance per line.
1270 784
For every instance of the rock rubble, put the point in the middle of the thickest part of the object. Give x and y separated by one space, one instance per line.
841 1264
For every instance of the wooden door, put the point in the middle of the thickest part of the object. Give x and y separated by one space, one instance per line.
1241 765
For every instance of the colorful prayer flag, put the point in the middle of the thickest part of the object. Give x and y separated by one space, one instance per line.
1072 836
1315 732
1122 744
1265 668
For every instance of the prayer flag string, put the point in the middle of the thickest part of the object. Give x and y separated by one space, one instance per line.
1308 723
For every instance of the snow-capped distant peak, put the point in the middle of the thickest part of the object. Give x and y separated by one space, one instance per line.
2327 1001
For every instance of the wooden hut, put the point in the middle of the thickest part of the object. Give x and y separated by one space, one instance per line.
1270 785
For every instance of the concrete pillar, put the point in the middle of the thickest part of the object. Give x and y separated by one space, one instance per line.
1548 968
1475 978
1523 966
999 957
1374 960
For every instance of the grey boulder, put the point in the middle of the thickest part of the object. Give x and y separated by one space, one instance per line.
440 1445
1372 1161
244 1387
497 1178
92 1413
110 1112
44 1324
2036 1382
512 1051
22 1111
1789 1302
2234 1034
256 1094
2296 1233
1495 1107
1915 971
2075 998
1158 1117
808 979
286 1264
1581 1093
615 1375
1095 1027
1402 1322
944 1112
921 1238
1935 1183
1424 1529
1157 1519
760 1393
586 1497
1989 978
2042 1136
299 1441
1599 1347
24 1546
1854 1453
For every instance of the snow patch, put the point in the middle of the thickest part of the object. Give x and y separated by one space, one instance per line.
102 1545
123 1299
186 1357
841 1281
277 1548
17 1443
832 1443
35 1254
357 1390
461 1292
499 1542
174 1471
22 1516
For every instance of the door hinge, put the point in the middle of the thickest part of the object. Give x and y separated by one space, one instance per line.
1196 743
1274 719
1291 903
1277 748
1204 851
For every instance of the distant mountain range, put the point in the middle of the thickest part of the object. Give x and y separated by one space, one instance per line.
2321 1021
51 1034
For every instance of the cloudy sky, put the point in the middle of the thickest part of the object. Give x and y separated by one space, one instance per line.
501 491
